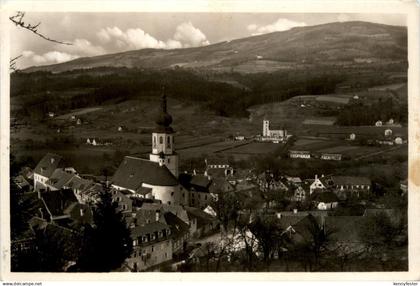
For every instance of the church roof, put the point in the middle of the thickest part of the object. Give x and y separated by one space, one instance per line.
133 172
163 118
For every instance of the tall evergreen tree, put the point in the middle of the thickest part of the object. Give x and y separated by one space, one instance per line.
107 243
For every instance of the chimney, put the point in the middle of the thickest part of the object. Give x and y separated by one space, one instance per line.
157 215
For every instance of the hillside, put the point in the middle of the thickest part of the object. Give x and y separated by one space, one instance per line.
353 43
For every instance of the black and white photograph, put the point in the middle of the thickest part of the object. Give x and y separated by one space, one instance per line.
208 142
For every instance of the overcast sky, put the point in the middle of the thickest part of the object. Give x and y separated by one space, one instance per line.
102 33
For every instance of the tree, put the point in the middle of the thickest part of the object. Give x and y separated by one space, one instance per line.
268 234
18 20
314 240
107 243
377 231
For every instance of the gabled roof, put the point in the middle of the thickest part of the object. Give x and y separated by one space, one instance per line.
133 172
200 181
202 217
60 178
148 229
48 164
78 183
58 201
178 227
350 180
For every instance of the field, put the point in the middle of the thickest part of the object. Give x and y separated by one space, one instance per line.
334 99
320 121
199 132
254 148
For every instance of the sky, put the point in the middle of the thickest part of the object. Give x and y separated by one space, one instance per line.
93 34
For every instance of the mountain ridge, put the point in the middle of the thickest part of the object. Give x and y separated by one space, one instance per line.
330 43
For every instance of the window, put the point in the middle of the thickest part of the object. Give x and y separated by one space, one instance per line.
169 160
154 141
153 248
152 236
160 233
135 242
160 140
172 194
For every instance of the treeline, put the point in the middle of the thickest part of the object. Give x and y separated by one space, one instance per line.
41 92
367 114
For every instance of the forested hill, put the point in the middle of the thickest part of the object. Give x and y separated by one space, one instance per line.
327 44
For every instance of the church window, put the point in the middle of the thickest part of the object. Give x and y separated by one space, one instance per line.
172 194
169 141
160 140
169 160
154 141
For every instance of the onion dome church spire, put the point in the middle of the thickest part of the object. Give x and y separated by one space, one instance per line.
164 119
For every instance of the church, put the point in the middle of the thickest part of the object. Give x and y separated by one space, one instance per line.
274 135
157 177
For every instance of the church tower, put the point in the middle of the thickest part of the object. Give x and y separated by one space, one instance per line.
163 150
266 128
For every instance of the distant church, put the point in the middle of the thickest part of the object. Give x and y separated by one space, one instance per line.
157 177
274 135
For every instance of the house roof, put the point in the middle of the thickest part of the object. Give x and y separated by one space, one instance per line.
200 181
178 227
78 183
148 229
57 201
133 172
351 180
60 178
48 164
202 217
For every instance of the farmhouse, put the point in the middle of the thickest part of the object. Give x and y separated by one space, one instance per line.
295 154
331 156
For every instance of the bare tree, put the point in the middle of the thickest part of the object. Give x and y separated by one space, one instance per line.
18 20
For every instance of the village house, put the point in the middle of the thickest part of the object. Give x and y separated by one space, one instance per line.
152 246
44 169
60 178
298 154
331 156
201 222
325 200
198 189
62 207
351 185
322 183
